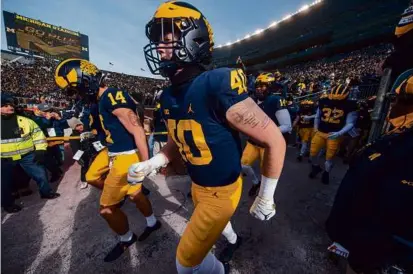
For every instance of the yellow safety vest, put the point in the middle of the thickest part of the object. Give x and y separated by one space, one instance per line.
31 138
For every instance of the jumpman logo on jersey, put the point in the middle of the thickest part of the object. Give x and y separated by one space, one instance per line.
190 109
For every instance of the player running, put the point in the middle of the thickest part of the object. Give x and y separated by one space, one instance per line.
126 144
304 122
204 110
335 116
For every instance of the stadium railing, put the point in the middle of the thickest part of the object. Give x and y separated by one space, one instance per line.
362 92
381 107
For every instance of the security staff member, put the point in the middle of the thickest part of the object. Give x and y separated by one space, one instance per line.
371 216
22 142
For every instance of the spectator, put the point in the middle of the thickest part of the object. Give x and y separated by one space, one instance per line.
77 128
22 143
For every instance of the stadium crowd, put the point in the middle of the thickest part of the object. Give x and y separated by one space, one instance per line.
32 79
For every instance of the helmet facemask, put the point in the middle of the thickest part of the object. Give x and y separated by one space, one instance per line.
179 43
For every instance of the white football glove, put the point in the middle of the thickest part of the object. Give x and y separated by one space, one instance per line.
263 207
138 171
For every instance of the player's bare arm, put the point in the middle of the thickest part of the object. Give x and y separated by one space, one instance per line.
138 171
248 118
131 122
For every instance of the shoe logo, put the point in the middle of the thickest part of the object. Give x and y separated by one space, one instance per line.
190 108
266 216
374 156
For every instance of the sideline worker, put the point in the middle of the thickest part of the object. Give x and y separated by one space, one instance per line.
22 142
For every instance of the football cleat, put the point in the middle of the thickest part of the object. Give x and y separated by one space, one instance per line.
228 252
119 249
148 231
315 169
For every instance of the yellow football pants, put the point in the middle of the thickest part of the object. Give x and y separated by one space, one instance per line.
116 186
305 134
214 207
252 153
320 140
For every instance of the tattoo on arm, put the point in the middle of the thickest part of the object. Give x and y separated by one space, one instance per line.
244 113
133 118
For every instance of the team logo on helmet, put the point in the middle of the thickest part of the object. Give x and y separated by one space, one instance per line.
78 76
89 68
339 92
265 78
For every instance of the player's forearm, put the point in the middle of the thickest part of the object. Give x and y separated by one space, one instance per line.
247 117
274 155
351 120
141 144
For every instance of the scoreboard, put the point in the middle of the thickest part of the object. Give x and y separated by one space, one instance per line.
32 36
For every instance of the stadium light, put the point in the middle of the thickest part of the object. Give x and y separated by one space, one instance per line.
288 16
303 8
275 23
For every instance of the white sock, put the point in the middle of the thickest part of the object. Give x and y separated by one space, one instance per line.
151 220
250 172
230 234
209 265
126 237
328 165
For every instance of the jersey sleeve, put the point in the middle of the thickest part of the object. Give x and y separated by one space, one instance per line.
114 99
277 103
227 87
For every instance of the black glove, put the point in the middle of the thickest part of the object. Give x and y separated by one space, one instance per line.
40 157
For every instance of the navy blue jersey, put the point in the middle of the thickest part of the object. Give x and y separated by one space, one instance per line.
306 111
374 201
195 114
118 139
92 122
272 104
159 125
333 114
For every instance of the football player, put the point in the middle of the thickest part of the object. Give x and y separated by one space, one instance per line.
275 107
305 124
335 116
126 144
204 111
